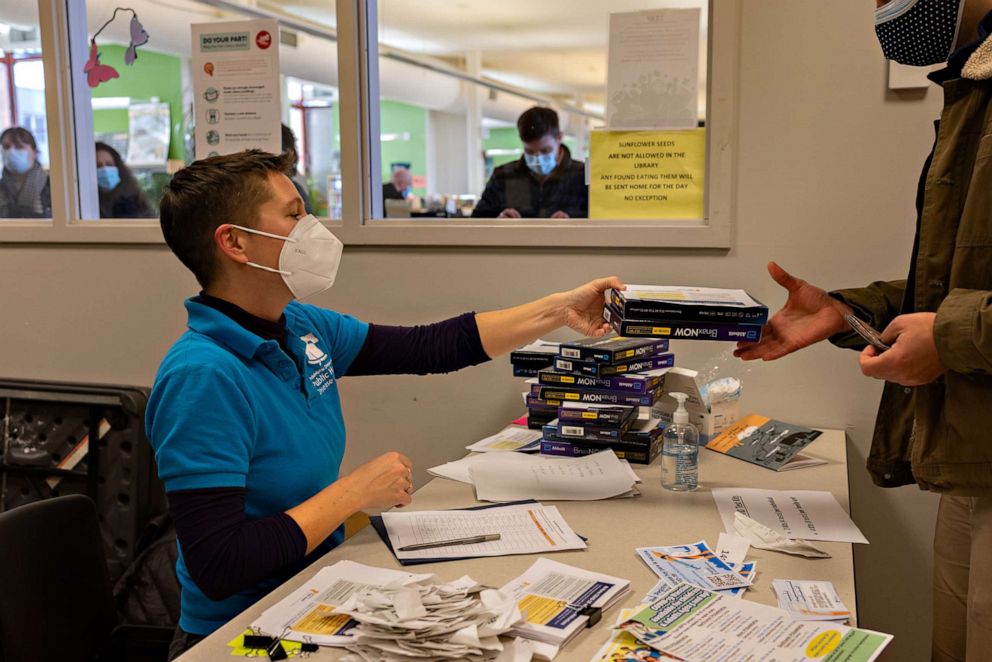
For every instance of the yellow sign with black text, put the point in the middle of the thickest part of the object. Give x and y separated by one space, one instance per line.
647 174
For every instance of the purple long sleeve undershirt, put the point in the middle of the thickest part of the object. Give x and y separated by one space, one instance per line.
224 551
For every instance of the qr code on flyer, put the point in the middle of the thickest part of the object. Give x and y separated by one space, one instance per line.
726 580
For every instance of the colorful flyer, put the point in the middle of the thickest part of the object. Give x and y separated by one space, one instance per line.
694 564
647 174
236 93
696 625
768 443
623 647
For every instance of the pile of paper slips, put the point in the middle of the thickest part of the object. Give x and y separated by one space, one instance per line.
420 618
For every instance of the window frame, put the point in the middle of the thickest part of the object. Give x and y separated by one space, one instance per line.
360 179
358 57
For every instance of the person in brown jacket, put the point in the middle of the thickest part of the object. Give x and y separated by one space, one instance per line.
931 427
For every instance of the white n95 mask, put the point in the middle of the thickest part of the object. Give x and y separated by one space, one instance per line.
309 260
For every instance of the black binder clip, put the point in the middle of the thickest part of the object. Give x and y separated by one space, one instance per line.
276 651
308 647
257 641
593 613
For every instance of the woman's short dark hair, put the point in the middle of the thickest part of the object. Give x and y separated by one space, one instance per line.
208 193
537 122
20 136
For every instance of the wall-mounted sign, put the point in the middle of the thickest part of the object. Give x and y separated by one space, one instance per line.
236 93
647 174
653 75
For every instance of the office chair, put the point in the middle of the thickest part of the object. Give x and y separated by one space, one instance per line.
56 599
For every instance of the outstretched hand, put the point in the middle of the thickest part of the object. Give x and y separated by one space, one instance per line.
808 316
582 308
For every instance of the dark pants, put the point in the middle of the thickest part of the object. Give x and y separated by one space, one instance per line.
182 642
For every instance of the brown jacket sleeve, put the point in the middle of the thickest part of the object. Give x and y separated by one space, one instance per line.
963 331
876 304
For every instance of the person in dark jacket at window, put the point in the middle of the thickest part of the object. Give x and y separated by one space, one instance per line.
120 194
25 191
544 183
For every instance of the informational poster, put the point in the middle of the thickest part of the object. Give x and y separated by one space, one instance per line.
236 93
647 174
653 70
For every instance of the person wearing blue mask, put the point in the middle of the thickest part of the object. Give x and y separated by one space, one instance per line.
25 191
119 192
245 413
931 428
543 183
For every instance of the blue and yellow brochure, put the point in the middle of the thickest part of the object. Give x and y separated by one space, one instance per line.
556 599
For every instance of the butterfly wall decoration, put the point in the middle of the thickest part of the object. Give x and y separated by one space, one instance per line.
97 72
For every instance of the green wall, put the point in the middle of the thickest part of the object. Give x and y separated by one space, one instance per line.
151 75
503 138
396 117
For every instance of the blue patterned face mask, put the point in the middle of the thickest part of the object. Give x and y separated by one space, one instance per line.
918 32
542 164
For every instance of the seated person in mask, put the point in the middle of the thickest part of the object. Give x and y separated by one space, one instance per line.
544 183
25 191
120 194
245 413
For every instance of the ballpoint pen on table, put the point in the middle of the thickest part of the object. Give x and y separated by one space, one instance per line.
446 543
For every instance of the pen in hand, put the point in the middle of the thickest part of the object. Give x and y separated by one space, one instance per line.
447 543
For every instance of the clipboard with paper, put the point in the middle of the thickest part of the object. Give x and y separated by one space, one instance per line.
379 524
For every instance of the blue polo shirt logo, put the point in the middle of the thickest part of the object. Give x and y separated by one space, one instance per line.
323 375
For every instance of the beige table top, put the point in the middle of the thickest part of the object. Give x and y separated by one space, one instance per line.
614 529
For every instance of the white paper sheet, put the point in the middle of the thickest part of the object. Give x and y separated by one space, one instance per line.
597 476
459 469
524 529
732 548
764 538
803 514
653 70
510 438
810 601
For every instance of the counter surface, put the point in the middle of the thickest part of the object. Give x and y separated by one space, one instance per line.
614 529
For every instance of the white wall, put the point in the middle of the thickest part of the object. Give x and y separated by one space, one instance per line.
447 150
828 162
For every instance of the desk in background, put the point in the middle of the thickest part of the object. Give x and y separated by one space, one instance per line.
614 528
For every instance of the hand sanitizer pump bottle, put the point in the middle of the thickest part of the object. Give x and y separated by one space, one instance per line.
680 452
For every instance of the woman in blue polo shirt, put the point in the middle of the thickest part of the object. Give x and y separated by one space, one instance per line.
245 415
